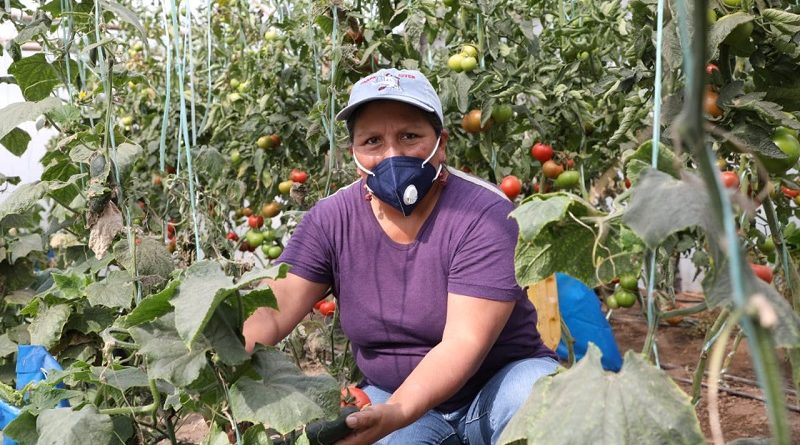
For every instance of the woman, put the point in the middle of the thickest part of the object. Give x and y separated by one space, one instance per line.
421 259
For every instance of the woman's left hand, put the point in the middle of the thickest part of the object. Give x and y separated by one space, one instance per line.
372 423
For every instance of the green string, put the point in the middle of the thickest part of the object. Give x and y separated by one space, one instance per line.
209 86
66 29
105 78
185 133
652 254
188 44
162 145
332 92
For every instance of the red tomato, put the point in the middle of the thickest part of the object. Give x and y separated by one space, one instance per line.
327 308
569 163
511 186
354 396
627 183
319 303
710 68
542 152
255 221
762 271
170 230
789 193
298 175
232 236
730 179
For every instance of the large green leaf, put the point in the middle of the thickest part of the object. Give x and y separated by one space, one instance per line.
203 286
558 233
285 398
46 328
35 77
167 356
225 336
668 162
153 262
662 205
23 429
127 15
152 307
23 198
122 379
126 155
638 405
722 28
63 426
116 290
16 141
26 244
7 347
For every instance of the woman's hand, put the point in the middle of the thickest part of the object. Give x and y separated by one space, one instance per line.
372 423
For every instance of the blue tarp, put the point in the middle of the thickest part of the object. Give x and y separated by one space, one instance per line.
580 310
33 363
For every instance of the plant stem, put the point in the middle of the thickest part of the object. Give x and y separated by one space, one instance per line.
707 342
133 410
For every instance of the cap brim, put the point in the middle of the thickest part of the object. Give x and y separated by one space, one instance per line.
348 110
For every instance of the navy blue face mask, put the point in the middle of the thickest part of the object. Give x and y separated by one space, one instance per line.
402 181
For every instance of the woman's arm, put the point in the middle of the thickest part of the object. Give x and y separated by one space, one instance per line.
472 327
296 297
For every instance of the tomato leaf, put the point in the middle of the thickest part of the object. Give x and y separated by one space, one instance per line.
662 205
284 398
46 328
152 307
67 427
16 141
115 290
26 244
35 77
721 29
166 354
203 286
640 404
23 198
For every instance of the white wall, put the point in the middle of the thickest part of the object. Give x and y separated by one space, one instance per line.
27 166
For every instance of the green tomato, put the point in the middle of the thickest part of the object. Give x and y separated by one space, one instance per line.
269 236
740 35
567 179
711 16
611 302
629 282
469 51
254 237
270 35
235 156
234 83
733 3
274 252
583 55
454 62
502 113
469 63
789 145
768 246
783 131
625 298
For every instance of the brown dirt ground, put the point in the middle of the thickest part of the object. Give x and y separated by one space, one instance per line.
679 349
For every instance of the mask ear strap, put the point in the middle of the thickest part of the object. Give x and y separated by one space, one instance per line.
361 167
435 149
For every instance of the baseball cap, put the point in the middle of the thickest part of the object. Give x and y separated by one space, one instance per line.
409 86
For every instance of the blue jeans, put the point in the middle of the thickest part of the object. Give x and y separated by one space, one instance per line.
479 422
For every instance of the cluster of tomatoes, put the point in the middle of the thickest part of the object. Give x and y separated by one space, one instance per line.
558 175
257 235
466 60
326 307
626 293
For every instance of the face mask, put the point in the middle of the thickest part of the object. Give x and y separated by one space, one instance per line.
402 181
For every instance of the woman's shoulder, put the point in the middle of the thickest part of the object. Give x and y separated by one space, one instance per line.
472 192
337 203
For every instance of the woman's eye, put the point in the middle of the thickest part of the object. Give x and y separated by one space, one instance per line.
410 136
371 141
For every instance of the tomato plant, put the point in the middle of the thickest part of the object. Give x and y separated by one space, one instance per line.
542 152
354 396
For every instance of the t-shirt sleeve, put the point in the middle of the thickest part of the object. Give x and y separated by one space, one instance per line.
308 251
483 263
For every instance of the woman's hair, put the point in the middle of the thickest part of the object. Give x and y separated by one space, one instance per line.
432 118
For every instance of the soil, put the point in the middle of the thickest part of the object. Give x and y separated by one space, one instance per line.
741 415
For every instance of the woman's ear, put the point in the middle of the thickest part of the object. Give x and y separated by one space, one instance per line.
441 154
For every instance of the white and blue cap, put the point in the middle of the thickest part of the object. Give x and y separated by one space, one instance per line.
409 86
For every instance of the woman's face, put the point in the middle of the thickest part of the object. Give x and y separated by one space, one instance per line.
386 128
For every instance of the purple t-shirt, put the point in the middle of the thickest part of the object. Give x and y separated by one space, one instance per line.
393 297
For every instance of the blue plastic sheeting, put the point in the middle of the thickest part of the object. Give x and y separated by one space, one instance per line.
580 310
33 363
7 414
